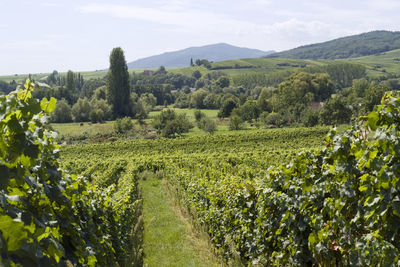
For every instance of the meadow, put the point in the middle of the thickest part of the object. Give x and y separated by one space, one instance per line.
377 65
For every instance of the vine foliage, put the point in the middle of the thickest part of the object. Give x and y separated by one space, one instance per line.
48 217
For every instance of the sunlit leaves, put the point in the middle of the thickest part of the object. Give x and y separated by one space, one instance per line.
46 216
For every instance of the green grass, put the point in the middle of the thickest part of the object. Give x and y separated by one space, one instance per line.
381 64
169 239
211 113
262 65
86 130
22 77
76 128
87 75
377 65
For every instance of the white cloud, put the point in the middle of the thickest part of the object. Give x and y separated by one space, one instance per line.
279 35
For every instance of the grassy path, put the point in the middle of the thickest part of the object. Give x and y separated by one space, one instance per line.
169 239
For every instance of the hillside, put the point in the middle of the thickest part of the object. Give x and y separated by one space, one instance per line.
365 44
381 64
181 58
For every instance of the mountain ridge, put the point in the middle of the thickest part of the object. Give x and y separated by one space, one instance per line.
181 58
364 44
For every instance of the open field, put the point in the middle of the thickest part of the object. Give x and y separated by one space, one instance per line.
377 65
99 132
381 64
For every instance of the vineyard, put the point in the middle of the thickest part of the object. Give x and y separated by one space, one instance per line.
295 196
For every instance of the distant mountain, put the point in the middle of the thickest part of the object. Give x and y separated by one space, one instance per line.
365 44
181 58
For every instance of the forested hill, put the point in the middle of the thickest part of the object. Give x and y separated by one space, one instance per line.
181 58
365 44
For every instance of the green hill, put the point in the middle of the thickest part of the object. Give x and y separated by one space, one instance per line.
365 44
181 58
381 64
250 65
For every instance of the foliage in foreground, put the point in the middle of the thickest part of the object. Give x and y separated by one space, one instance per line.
47 217
336 207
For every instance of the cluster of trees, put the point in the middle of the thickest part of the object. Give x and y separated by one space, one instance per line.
303 99
170 124
201 62
99 100
326 94
6 88
342 75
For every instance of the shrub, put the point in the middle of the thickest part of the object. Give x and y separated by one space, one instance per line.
207 125
227 107
198 115
101 104
169 124
235 123
310 117
123 125
272 118
96 115
62 113
81 110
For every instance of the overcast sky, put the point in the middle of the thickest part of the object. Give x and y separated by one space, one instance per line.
41 36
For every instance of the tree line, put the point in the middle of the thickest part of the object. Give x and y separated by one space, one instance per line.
326 94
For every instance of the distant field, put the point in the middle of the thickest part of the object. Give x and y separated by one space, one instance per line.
87 75
381 64
212 113
77 128
250 65
22 77
377 65
88 130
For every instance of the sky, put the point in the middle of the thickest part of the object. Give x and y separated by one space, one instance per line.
41 36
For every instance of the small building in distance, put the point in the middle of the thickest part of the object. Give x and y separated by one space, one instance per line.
148 72
316 105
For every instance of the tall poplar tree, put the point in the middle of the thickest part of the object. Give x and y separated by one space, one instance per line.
70 83
118 91
69 94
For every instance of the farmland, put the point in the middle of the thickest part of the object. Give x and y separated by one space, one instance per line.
290 196
238 157
231 185
374 63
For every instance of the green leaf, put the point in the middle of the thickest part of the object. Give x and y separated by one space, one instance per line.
372 120
92 260
312 239
13 233
396 206
48 105
363 188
